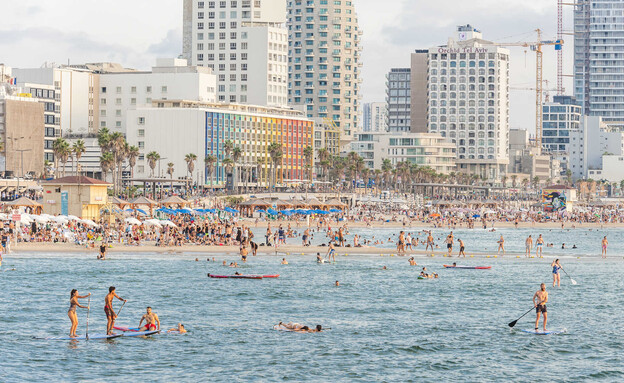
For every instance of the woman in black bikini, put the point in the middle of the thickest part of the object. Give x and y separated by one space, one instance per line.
71 313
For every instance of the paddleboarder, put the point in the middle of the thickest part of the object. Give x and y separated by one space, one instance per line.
71 313
150 319
108 309
540 298
556 276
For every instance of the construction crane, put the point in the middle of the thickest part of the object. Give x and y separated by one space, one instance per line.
537 47
546 90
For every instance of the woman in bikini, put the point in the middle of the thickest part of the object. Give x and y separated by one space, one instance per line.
71 313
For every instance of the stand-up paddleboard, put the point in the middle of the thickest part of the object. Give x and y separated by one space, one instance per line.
541 332
82 337
271 276
139 333
468 267
123 328
236 276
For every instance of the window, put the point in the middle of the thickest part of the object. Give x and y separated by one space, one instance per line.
141 133
200 5
103 101
148 89
103 89
164 89
118 124
118 113
141 145
200 25
118 101
118 89
133 101
141 121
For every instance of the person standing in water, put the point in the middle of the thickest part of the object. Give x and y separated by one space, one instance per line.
108 309
501 245
71 313
556 276
429 242
540 298
461 248
529 245
449 244
331 252
539 243
604 247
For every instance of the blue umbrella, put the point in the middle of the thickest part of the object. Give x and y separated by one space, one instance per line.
272 212
287 213
476 216
261 211
334 211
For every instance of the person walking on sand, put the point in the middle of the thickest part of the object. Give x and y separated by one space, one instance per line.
501 245
556 276
604 247
71 313
540 305
529 245
539 243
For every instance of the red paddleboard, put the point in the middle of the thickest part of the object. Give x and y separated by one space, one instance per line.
236 276
468 267
270 276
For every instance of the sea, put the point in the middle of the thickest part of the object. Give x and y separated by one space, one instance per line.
383 325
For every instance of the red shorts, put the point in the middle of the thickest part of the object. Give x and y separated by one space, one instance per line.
109 311
150 326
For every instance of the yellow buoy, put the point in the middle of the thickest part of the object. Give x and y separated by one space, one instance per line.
472 256
517 256
496 256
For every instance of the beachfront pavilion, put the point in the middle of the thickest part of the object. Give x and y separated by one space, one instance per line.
118 202
248 207
143 201
29 205
454 189
336 204
160 183
174 200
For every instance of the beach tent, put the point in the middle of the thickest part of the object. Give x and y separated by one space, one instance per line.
26 202
143 201
119 202
174 200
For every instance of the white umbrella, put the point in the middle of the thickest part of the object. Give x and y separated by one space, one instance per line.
153 222
133 221
40 218
167 223
73 218
89 222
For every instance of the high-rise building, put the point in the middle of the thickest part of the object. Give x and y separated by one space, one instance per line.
76 91
419 73
598 59
324 61
468 101
375 116
398 98
560 117
51 114
245 43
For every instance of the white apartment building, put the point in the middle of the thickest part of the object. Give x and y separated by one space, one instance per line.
171 79
375 117
75 93
245 43
423 149
324 61
560 117
468 101
594 140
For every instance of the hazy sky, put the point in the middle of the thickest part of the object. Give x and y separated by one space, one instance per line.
135 32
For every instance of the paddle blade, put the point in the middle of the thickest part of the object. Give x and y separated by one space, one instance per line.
511 324
573 281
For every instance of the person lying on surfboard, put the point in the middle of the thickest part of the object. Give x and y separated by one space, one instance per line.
179 329
150 319
300 328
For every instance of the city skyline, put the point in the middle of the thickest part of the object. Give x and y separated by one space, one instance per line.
394 30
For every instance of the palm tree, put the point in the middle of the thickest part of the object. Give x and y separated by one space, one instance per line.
237 153
152 159
66 154
117 146
209 164
514 178
308 153
170 172
133 153
386 168
228 164
569 177
190 163
323 156
536 181
504 181
47 168
78 149
106 163
228 146
57 148
275 151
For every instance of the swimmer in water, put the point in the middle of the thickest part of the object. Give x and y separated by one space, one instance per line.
179 329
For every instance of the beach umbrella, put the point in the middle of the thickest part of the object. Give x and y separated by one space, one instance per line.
334 211
167 223
73 218
261 211
88 222
272 212
133 221
152 222
40 218
476 216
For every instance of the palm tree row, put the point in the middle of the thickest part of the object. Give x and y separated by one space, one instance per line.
64 151
114 152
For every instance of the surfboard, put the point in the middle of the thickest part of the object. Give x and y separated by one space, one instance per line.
91 336
123 328
139 333
468 267
540 332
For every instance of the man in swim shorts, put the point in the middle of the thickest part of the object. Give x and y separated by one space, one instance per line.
540 298
449 243
529 245
461 248
539 243
604 247
331 252
108 309
150 319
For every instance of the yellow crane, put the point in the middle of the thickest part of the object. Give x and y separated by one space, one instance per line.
537 47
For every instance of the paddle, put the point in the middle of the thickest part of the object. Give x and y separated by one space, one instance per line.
571 280
122 305
88 311
511 324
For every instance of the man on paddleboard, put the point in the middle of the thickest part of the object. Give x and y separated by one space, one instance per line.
150 319
108 309
540 298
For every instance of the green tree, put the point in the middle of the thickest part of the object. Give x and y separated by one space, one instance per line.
78 149
152 159
209 164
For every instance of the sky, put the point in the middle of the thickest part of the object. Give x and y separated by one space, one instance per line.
136 32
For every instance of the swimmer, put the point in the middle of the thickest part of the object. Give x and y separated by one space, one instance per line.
412 262
318 258
284 261
337 283
179 329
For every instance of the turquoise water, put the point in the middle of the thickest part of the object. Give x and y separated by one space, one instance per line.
588 241
386 325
